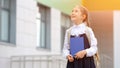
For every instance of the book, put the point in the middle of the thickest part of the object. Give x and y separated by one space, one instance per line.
76 45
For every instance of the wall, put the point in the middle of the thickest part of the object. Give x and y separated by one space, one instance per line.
101 5
116 25
102 24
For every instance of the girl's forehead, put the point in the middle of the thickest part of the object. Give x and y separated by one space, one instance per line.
76 8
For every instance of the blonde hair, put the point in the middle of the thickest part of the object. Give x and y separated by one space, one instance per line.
84 11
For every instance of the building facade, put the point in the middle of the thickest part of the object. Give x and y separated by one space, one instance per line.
29 28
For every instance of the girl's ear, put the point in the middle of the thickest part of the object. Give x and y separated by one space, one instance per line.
84 17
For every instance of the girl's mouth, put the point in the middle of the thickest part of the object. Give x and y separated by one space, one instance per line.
73 16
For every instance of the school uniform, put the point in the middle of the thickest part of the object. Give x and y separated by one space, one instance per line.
90 46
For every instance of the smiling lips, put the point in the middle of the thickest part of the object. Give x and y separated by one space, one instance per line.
73 16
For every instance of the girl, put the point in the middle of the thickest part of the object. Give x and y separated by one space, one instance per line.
84 58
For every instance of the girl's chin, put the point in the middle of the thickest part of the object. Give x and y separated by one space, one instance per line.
73 20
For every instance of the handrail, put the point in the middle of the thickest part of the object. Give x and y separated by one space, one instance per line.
38 61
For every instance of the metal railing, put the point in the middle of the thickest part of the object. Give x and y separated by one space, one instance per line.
40 61
106 61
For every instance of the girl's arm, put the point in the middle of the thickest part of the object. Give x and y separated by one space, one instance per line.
66 47
93 44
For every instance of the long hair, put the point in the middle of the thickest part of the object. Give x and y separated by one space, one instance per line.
84 11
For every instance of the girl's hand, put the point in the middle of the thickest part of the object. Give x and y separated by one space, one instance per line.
80 54
70 58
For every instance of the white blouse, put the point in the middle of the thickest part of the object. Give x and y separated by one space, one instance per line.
77 30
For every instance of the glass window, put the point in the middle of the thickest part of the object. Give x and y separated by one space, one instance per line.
43 27
4 25
4 20
65 24
5 4
7 19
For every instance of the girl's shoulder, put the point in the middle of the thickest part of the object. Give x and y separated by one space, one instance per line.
88 28
69 29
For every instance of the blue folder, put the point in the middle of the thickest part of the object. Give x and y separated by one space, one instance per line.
76 44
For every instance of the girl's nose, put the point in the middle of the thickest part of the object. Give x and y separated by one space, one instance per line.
72 13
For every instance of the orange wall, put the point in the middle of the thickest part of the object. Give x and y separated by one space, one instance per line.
96 5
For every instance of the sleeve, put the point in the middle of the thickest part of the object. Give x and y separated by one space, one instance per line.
93 44
66 47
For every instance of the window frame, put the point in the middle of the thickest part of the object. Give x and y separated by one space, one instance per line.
47 28
12 22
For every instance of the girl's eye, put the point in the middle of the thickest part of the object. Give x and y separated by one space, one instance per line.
76 10
72 10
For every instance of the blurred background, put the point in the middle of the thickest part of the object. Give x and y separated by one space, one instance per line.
32 31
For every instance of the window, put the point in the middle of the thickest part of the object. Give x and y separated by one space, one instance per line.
43 27
7 24
65 24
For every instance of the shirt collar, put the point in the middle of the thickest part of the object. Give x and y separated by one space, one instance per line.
80 25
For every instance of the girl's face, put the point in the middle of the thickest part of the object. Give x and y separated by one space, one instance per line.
77 16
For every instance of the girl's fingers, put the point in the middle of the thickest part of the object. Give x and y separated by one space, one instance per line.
71 59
